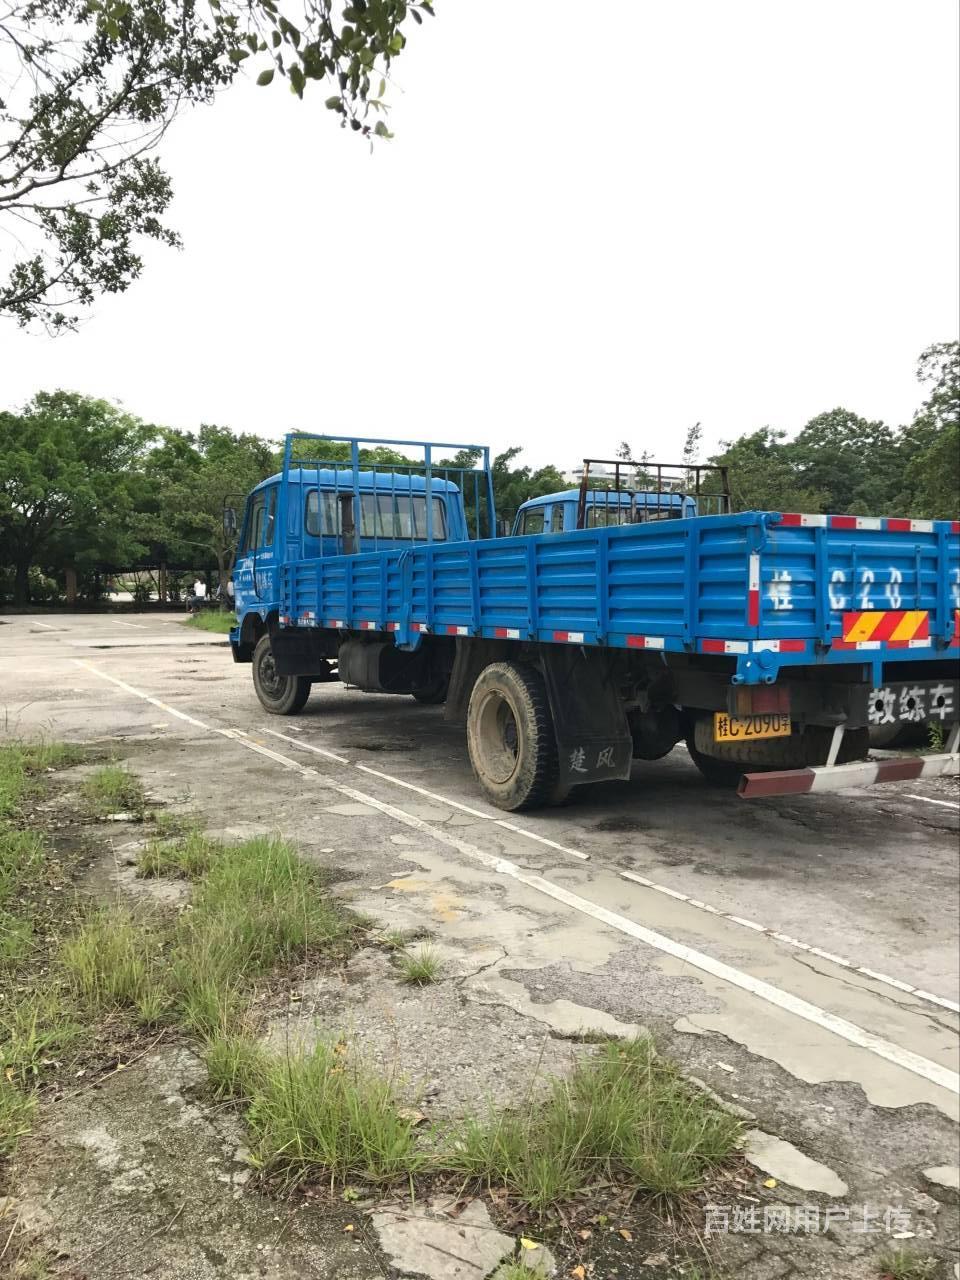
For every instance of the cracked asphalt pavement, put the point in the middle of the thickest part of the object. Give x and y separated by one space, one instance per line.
798 956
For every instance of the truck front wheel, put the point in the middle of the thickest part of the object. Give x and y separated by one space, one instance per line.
510 737
280 695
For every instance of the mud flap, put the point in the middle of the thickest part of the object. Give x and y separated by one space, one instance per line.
593 738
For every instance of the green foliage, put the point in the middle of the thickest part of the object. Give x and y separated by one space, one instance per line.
843 463
212 620
512 486
68 484
904 1263
624 1113
420 968
114 961
189 479
190 857
92 89
16 1113
113 789
321 1111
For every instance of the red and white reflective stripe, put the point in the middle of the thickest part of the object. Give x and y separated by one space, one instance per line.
910 644
753 592
506 633
892 524
724 646
856 522
393 626
285 621
368 626
458 631
419 626
857 644
779 646
568 637
862 773
338 624
309 618
645 642
909 526
795 520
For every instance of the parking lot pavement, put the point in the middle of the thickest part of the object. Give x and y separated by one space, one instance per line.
799 955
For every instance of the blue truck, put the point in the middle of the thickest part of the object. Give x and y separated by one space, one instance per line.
613 622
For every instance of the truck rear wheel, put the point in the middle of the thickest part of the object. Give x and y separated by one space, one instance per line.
724 763
280 695
510 737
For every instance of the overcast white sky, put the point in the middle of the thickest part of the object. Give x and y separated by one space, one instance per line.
592 225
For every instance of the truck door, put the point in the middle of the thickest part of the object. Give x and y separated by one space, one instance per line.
255 572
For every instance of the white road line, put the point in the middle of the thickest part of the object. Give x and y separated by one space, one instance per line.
939 1075
46 626
947 804
917 992
432 795
122 684
138 626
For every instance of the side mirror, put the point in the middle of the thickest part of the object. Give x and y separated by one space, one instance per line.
229 522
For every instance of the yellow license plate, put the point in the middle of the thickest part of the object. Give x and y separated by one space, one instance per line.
768 724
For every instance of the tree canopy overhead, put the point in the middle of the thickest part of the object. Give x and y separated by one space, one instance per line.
89 87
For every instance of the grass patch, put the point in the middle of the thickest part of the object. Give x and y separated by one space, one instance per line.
113 789
256 906
906 1264
34 1026
625 1115
22 868
34 1030
16 1112
188 858
237 1066
321 1110
420 968
20 763
114 961
212 620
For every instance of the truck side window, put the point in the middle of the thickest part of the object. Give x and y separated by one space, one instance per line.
254 524
269 518
533 520
311 515
556 518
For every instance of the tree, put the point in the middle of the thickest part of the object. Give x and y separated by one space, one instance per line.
930 446
850 461
763 474
512 486
68 470
191 479
89 87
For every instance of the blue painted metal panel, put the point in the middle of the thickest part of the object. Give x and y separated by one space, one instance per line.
684 583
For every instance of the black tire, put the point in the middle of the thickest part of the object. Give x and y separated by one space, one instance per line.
510 738
280 695
723 764
719 773
433 695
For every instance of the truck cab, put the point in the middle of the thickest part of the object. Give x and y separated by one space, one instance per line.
330 511
558 512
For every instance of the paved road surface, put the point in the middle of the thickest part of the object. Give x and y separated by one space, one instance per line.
798 954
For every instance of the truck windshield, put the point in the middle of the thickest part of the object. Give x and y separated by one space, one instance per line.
382 515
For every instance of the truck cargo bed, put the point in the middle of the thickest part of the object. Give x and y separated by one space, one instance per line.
763 588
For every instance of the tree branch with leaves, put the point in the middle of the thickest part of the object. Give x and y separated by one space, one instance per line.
88 88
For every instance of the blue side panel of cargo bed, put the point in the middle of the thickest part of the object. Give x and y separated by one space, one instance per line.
681 585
